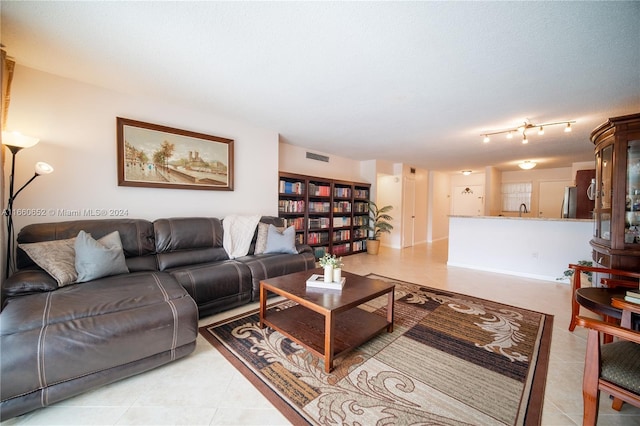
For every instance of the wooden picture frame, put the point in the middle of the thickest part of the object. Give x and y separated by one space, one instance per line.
154 156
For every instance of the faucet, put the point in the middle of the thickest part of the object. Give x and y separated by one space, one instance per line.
522 209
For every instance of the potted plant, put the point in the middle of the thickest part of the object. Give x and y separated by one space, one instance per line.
378 224
330 263
585 275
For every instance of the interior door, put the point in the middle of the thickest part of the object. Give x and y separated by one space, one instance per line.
408 211
550 198
468 200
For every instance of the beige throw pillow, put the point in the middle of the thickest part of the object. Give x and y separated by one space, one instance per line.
56 257
261 239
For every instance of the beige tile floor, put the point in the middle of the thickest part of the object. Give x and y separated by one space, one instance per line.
204 389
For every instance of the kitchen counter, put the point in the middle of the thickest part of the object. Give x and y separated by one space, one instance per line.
527 218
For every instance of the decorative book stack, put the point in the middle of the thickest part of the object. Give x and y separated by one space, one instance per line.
317 280
633 296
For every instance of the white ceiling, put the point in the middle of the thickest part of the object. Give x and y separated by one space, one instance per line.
410 82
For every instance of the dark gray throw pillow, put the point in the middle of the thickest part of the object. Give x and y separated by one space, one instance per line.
101 258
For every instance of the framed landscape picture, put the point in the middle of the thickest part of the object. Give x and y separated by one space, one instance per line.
154 156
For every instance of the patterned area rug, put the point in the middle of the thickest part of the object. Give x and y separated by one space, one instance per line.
451 360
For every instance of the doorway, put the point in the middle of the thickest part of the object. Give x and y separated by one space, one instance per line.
468 200
408 212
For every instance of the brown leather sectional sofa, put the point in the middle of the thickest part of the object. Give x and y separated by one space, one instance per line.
57 342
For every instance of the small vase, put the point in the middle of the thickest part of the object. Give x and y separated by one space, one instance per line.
337 275
328 274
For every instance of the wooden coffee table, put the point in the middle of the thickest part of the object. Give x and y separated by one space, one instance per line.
327 322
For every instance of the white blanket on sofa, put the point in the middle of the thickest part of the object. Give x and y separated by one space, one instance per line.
238 233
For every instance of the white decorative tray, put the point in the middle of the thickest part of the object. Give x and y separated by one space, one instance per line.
317 280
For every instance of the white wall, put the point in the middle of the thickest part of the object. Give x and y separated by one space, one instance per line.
76 124
293 159
439 206
390 193
534 248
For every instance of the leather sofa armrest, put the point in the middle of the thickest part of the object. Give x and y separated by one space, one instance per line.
28 281
304 248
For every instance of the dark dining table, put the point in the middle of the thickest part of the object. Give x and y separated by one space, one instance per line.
599 300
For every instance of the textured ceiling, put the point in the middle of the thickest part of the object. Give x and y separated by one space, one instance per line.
410 82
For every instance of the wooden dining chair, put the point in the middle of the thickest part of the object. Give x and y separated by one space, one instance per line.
613 367
617 278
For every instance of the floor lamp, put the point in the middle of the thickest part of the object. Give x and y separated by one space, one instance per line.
15 141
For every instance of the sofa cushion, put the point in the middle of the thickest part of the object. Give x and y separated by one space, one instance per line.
136 236
99 258
49 339
281 241
56 257
28 281
216 286
188 241
265 266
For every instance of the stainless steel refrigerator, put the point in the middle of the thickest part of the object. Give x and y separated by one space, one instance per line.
570 202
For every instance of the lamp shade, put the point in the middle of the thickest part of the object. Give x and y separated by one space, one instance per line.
18 140
43 168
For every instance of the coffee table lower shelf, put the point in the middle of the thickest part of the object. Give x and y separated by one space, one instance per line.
306 327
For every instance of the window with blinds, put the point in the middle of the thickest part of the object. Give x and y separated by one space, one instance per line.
515 194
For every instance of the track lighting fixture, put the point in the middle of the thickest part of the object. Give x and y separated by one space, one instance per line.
486 136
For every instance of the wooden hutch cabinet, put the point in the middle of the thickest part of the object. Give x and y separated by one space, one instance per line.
616 239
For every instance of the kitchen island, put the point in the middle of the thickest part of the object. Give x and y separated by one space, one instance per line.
539 248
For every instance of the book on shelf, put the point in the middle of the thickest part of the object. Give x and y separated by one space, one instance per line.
632 299
319 190
634 293
361 193
293 188
317 280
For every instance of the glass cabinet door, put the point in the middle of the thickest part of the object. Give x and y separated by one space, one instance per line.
604 175
632 210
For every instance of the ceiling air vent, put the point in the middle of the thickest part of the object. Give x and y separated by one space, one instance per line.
318 157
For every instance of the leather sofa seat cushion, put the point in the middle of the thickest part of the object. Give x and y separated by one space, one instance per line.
265 266
188 241
216 286
83 329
